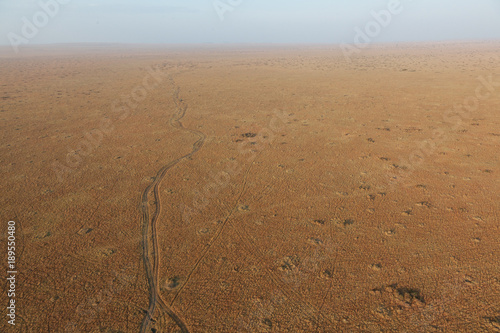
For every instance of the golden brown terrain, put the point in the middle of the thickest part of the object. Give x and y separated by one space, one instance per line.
253 189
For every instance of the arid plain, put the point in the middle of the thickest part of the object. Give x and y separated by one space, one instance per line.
253 188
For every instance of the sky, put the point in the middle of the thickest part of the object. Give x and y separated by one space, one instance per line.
246 21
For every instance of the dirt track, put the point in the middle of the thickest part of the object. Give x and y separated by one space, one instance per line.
150 235
297 192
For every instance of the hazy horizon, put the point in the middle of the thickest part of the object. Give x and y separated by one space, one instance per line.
24 22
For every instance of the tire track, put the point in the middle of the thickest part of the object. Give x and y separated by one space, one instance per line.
150 248
217 235
314 313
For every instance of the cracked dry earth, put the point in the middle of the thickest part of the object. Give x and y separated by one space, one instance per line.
253 189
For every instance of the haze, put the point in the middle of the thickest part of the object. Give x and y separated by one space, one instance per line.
255 21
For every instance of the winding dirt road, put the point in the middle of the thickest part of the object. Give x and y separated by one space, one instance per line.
151 251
